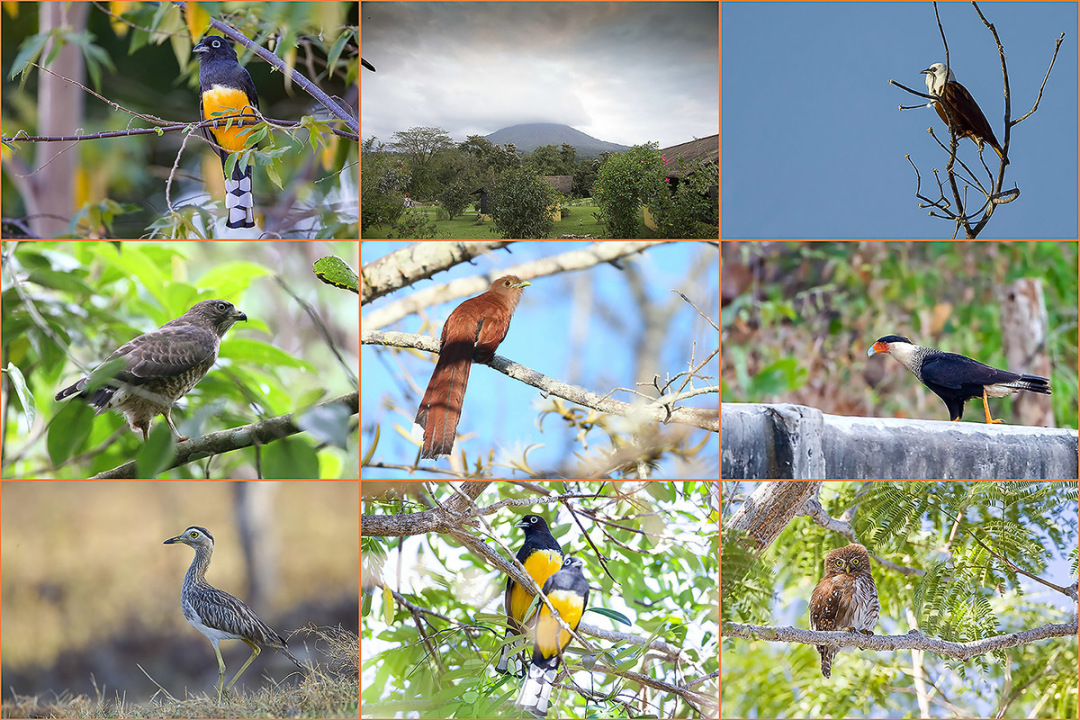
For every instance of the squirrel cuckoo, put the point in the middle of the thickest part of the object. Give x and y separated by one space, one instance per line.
472 332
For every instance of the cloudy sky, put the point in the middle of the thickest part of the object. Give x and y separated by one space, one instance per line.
624 72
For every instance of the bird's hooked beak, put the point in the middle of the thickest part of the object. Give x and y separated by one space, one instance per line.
522 284
927 71
878 347
237 315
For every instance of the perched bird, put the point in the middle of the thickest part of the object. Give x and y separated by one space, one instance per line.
845 599
542 557
146 376
472 332
226 89
568 592
218 615
967 117
366 64
956 378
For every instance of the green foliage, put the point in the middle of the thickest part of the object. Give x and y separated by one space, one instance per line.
622 182
382 192
75 303
692 209
521 205
413 225
659 567
965 594
746 584
454 197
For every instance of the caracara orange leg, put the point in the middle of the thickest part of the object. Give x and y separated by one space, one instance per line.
986 407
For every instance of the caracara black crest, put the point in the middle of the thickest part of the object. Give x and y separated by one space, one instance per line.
956 378
967 117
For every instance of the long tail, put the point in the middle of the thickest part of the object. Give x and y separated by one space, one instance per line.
536 690
1032 383
239 200
440 409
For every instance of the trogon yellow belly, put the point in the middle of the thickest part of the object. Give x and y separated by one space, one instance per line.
541 556
568 592
226 89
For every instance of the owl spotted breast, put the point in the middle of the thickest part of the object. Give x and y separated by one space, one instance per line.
845 599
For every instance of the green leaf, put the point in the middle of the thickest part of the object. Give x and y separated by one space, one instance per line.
258 352
334 271
69 430
156 453
612 614
290 459
327 424
16 378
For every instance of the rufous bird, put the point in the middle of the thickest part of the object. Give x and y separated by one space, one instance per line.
471 333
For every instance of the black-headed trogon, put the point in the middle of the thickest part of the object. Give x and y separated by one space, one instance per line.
568 592
226 89
541 556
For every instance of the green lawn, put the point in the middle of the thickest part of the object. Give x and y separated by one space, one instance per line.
467 226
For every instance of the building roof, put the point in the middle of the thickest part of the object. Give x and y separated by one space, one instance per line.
562 183
706 148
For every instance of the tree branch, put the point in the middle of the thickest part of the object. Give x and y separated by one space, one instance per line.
260 433
656 410
914 640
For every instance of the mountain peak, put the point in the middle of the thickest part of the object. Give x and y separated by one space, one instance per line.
530 136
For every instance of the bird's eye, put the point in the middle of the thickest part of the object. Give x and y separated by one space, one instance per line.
221 306
216 43
855 561
533 519
194 534
839 563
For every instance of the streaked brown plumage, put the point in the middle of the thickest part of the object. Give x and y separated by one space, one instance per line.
845 599
217 614
146 376
472 332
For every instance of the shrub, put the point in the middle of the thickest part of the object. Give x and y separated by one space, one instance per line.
622 182
521 205
412 225
455 197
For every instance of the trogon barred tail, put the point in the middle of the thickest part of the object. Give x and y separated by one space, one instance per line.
568 592
541 556
226 89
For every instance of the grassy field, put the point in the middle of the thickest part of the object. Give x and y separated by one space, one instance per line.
582 221
91 595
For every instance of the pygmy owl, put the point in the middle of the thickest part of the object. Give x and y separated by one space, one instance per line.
845 599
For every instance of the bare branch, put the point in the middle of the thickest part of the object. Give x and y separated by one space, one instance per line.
914 640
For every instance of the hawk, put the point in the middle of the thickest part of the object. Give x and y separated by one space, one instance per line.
146 376
967 116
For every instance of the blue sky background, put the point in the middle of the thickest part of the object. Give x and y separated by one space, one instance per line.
551 334
813 143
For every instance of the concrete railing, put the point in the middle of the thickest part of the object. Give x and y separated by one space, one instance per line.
794 441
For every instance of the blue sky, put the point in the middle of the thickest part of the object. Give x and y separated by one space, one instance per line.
812 141
582 327
623 72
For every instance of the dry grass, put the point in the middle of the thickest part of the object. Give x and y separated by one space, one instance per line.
330 690
84 566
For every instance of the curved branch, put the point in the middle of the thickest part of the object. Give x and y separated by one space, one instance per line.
914 640
260 433
656 410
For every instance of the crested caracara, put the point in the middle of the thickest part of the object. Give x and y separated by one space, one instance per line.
955 378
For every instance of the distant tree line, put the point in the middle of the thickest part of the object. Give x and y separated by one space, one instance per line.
423 164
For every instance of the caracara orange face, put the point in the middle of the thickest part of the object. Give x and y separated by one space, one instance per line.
880 347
